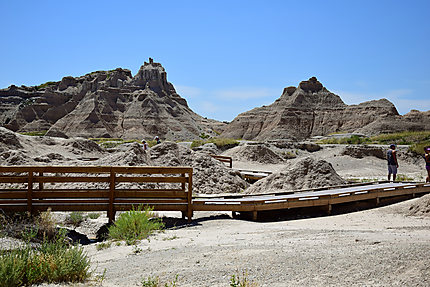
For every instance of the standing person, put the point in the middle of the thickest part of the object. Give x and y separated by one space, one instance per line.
427 158
392 162
157 139
145 145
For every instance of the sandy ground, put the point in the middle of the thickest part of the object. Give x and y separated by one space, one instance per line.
377 247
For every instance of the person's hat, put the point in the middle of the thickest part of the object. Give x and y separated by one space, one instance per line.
392 145
427 148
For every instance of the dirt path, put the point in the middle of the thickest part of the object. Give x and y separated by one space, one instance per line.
379 247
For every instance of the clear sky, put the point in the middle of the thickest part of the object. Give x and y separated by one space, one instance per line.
227 57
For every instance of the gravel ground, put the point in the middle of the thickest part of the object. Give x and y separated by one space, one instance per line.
377 247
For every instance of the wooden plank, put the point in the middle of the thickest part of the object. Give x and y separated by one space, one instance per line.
71 194
13 194
13 179
147 201
56 169
129 193
14 201
151 170
71 201
152 179
64 179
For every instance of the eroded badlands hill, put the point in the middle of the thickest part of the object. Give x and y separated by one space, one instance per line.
105 104
312 110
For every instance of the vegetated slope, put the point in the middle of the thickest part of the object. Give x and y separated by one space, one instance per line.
312 110
105 104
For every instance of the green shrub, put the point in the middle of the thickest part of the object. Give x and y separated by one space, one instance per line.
75 218
45 85
418 148
103 245
155 282
51 262
403 177
241 281
136 224
93 215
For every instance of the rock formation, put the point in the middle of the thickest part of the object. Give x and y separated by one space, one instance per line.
302 174
105 104
311 110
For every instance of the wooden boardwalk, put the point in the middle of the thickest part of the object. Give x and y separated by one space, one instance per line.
311 198
111 189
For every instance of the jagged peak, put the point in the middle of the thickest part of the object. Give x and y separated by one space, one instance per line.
311 85
152 64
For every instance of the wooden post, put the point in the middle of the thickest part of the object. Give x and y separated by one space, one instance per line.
231 162
329 209
40 183
30 193
255 215
190 196
111 211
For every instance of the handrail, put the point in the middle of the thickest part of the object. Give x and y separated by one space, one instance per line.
95 188
222 158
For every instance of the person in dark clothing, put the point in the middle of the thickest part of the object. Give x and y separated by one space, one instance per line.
427 159
157 139
392 162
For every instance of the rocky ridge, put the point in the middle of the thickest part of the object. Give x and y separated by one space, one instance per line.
312 110
105 104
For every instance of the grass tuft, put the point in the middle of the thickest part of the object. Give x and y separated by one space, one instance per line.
134 225
241 281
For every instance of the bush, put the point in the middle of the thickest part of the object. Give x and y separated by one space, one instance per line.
136 224
93 215
241 281
51 262
75 218
155 282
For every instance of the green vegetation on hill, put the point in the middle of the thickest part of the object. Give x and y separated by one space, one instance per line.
35 133
219 142
416 140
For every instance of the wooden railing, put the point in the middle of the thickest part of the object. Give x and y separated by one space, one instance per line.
221 158
95 188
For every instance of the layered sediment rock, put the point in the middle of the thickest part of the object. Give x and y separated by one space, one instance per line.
105 104
311 110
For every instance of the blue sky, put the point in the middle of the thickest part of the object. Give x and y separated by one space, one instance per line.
227 57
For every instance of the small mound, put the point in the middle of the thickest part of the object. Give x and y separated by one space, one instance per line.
9 139
14 157
303 174
209 175
255 152
81 144
130 154
421 207
360 151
